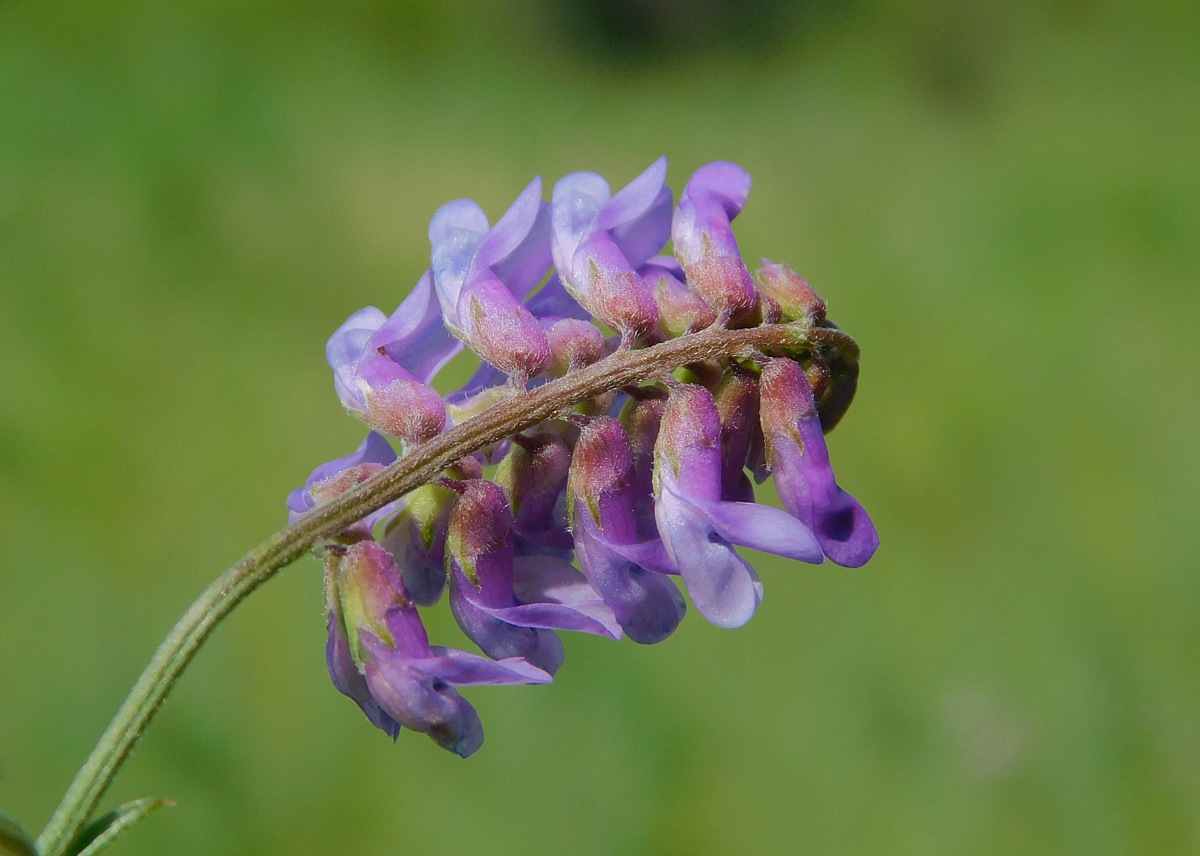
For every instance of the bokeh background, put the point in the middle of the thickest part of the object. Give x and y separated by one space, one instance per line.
1000 201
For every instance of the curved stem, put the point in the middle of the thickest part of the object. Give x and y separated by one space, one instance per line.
422 464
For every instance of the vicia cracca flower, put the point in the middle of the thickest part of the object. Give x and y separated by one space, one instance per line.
627 455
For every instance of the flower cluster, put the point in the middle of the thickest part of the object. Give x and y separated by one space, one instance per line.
635 485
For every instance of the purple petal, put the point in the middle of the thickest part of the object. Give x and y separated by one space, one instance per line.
462 669
722 584
495 636
373 450
648 606
455 232
555 595
415 336
760 527
518 246
639 215
575 203
424 702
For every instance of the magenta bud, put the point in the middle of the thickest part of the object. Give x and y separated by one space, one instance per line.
796 298
689 439
680 310
574 344
602 463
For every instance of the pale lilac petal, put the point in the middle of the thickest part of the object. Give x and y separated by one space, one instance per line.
723 585
575 202
455 232
556 595
373 450
414 336
518 246
639 215
345 349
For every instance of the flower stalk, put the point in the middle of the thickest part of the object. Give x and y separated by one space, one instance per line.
424 462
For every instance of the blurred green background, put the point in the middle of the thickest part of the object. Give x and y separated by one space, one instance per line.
1000 201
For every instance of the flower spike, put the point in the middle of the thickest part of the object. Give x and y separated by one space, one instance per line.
577 475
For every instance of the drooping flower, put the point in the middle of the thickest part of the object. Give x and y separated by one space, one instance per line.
799 463
699 528
379 654
704 241
510 605
624 568
482 273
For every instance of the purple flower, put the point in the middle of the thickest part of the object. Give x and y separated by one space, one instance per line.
704 241
699 527
799 462
509 605
622 566
377 388
599 240
482 273
379 655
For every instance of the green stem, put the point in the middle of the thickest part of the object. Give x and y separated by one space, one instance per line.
422 464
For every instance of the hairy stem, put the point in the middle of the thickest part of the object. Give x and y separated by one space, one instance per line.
421 465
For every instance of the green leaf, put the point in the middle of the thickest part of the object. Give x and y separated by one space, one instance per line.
13 840
103 830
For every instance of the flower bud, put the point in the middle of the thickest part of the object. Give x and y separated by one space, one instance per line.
533 476
379 655
680 310
795 297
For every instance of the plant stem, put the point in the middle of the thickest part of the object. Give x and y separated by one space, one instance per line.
419 466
